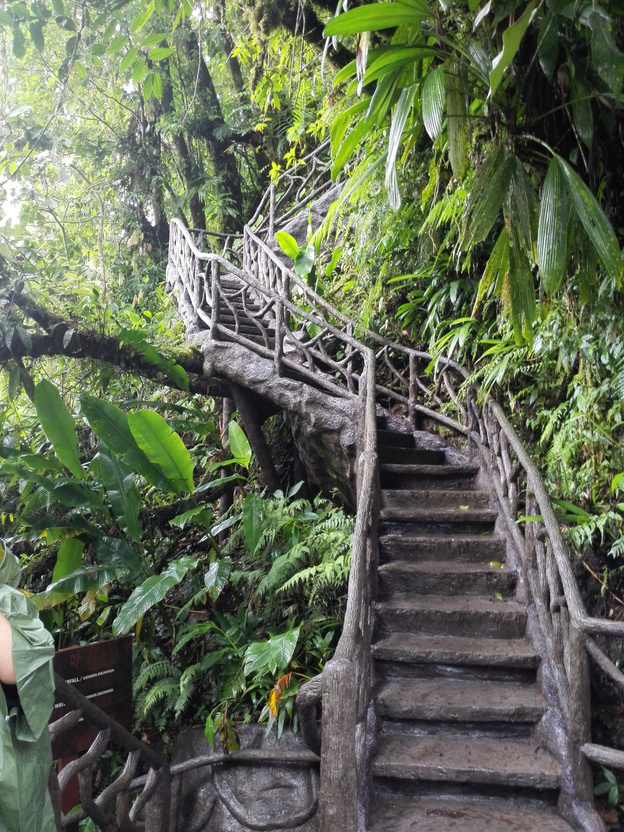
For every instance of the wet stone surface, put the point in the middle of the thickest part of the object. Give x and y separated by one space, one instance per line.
236 798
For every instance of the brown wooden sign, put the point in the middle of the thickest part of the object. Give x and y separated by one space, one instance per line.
103 673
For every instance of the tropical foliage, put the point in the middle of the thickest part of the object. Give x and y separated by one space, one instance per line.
481 148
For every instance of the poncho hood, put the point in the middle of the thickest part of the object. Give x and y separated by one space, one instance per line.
10 572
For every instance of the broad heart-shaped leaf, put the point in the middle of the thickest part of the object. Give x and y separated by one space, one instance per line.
58 425
151 592
511 43
457 118
69 557
252 521
113 551
432 102
239 444
304 262
592 217
266 657
118 479
81 580
553 248
110 424
163 447
377 16
288 244
199 515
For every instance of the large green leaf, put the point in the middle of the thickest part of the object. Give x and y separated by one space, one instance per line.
239 444
82 580
607 58
524 207
582 110
396 58
267 657
592 217
384 96
163 447
511 43
69 557
252 521
377 16
489 189
118 479
349 144
110 424
457 118
548 44
553 249
150 593
216 577
399 119
113 551
58 425
288 244
341 123
498 262
432 102
521 288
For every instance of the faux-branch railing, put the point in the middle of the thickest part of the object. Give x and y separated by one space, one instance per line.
430 388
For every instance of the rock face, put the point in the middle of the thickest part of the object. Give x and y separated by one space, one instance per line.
240 797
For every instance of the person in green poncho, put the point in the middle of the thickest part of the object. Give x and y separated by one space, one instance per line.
26 701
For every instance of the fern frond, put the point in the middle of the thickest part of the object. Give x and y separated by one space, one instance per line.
156 670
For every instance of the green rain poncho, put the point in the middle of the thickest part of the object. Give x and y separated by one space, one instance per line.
25 756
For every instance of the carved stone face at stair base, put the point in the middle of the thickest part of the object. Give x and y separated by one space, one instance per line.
241 797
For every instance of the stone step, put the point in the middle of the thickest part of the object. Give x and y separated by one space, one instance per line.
418 499
463 651
435 578
451 700
437 521
475 760
444 477
458 548
454 615
455 813
394 438
410 456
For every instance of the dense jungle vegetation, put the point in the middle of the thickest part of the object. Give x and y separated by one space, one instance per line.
481 147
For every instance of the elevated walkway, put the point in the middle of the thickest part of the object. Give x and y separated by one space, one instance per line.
458 696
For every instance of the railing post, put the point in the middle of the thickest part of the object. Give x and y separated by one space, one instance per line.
579 712
338 791
278 352
413 372
157 809
216 301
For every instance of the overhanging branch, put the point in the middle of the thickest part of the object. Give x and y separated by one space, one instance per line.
64 338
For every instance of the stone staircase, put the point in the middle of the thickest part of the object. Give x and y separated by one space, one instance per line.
476 727
457 697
